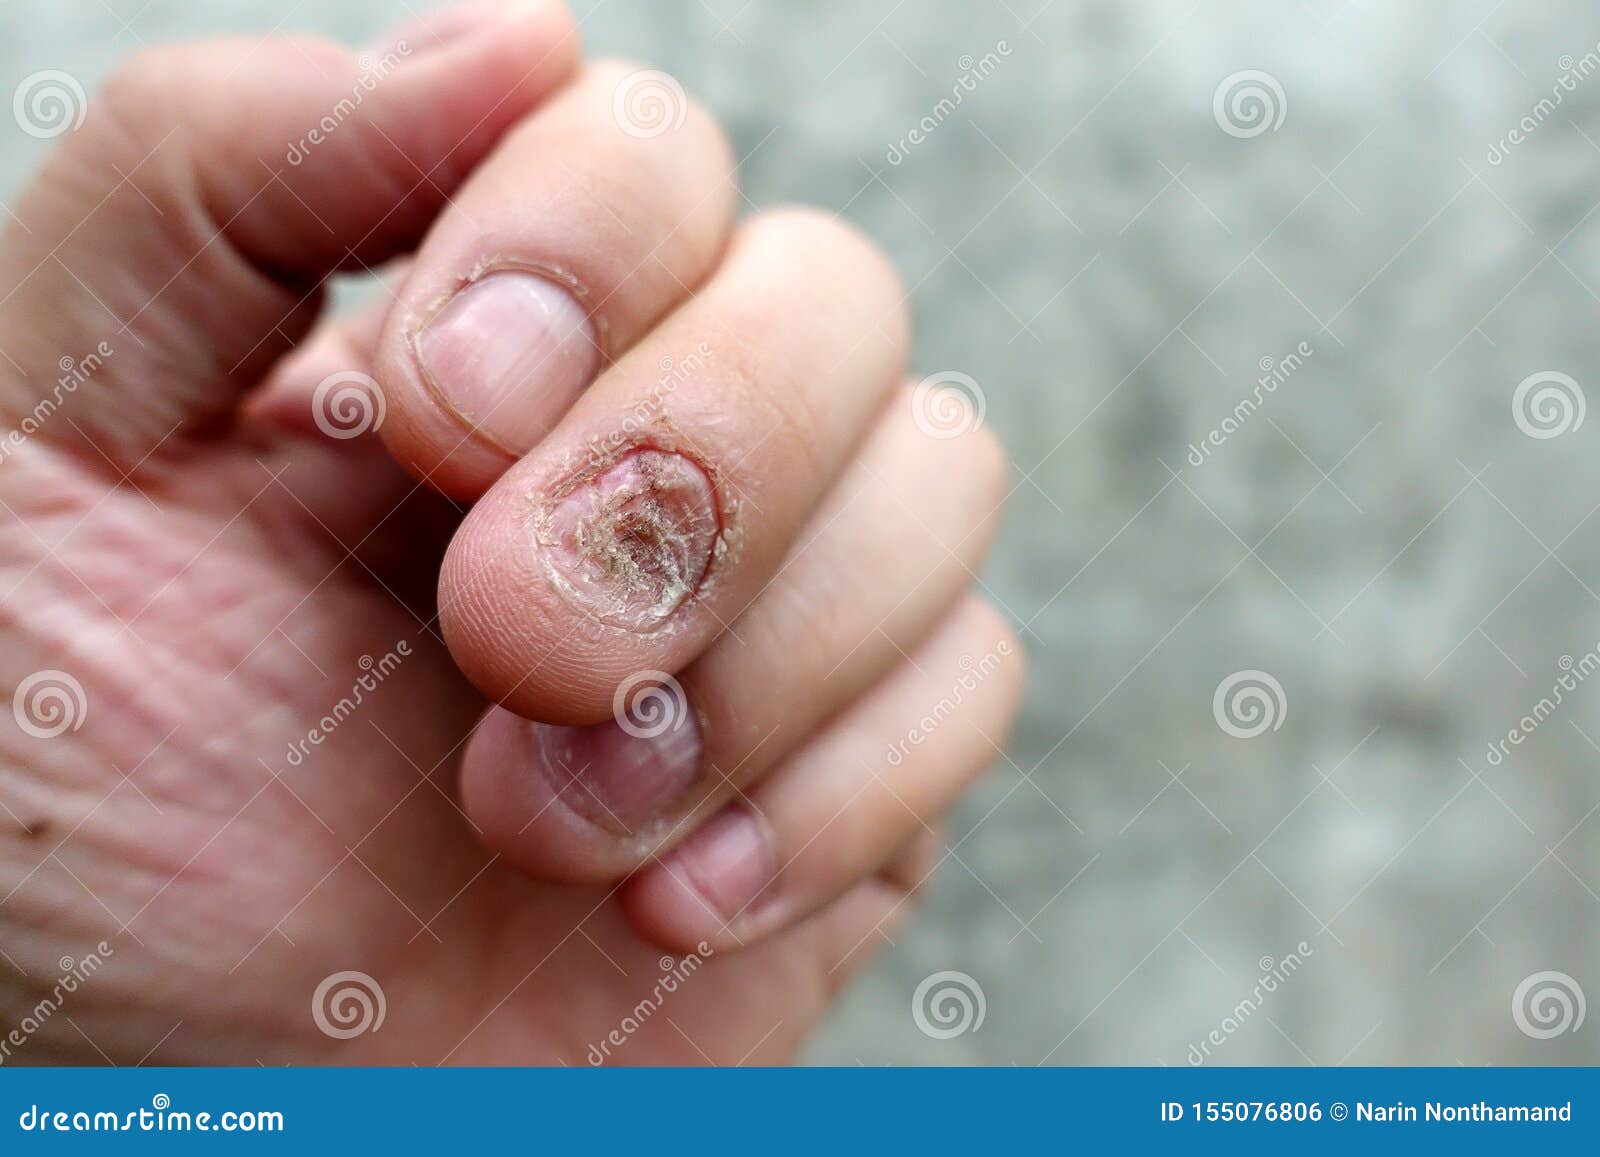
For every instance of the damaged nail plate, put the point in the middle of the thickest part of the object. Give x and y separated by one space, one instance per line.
634 539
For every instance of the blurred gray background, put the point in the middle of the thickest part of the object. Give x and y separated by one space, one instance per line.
1111 255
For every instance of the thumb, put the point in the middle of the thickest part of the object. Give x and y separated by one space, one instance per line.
175 243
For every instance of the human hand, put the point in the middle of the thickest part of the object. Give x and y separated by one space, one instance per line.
294 736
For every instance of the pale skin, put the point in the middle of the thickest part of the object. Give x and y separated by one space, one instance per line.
765 519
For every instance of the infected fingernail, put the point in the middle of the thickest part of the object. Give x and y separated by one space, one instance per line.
729 861
509 354
632 543
622 776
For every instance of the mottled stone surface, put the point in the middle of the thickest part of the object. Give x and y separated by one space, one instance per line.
1379 535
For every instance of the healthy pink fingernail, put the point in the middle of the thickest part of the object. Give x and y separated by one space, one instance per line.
622 778
729 860
632 543
509 354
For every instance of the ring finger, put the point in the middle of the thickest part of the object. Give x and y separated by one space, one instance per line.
847 804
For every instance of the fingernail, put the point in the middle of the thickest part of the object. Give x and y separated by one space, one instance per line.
509 353
631 543
729 861
622 779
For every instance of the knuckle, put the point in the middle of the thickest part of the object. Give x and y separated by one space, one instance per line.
997 635
840 239
142 84
841 254
652 99
667 158
976 456
986 460
676 113
609 71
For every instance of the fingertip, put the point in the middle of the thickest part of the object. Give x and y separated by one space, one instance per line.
513 804
576 804
508 630
667 910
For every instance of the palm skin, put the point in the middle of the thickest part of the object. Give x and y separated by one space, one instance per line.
213 611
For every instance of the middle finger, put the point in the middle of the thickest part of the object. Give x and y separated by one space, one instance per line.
671 491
